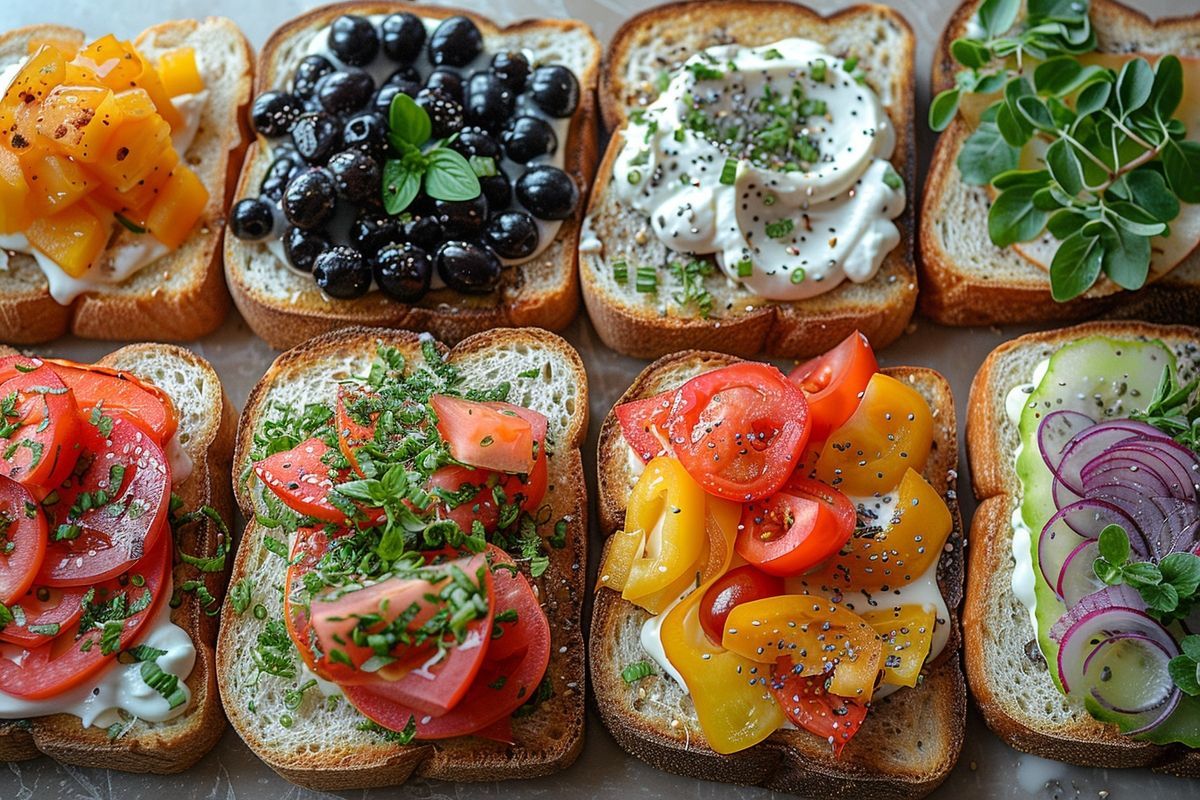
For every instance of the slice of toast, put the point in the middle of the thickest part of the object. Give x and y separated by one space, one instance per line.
909 741
967 280
207 425
182 295
661 40
324 748
286 308
1008 676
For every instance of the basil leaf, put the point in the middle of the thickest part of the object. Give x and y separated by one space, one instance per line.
1114 545
1181 164
943 108
1134 85
1135 220
401 184
1186 674
1075 267
1013 217
1035 113
409 121
1093 98
1182 570
1065 167
985 154
449 176
1126 258
1012 127
997 16
1065 223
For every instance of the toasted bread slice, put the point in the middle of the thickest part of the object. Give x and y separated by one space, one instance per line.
910 739
741 323
182 295
207 425
1008 676
967 280
324 748
286 308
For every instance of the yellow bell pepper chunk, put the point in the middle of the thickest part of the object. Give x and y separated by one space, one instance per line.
56 182
79 120
132 152
180 204
21 103
907 633
179 73
15 213
72 238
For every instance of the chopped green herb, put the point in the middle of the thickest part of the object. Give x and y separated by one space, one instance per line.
780 228
636 671
647 279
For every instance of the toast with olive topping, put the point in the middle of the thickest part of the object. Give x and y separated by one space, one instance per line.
910 739
207 425
652 45
286 308
325 743
1008 675
968 280
181 295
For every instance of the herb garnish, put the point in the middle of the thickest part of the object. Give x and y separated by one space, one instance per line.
446 174
1168 587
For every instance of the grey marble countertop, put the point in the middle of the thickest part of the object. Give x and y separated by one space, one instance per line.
988 768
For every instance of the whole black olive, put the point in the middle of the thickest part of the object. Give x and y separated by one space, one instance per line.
455 42
274 113
403 271
403 37
342 272
310 197
547 192
252 219
555 89
353 40
512 234
468 267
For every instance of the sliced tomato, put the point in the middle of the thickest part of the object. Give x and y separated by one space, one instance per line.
302 480
310 545
645 423
111 511
809 705
39 421
47 611
474 488
497 436
22 540
740 430
528 491
739 585
71 659
116 390
795 529
835 381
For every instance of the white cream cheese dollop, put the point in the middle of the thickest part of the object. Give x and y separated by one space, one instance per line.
775 160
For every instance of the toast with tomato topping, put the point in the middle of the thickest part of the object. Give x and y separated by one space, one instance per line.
968 280
647 324
286 308
909 740
1008 674
323 742
181 295
207 424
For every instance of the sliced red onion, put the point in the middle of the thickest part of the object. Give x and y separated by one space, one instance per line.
1095 441
1141 472
1055 544
1180 462
1063 496
1111 598
1089 517
1075 524
1136 664
1055 432
1178 526
1077 578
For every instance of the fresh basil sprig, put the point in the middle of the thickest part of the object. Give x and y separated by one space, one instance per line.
1169 588
1175 410
446 174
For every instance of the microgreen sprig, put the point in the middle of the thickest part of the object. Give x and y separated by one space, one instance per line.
445 173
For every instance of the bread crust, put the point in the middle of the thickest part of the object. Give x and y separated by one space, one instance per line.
198 307
173 746
449 315
788 760
1083 741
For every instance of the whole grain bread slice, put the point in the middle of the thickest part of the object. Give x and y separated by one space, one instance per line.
1008 676
910 740
967 280
207 424
285 308
640 324
182 295
324 747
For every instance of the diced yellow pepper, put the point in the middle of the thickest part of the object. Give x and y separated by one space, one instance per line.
79 120
72 238
55 183
179 73
15 214
907 633
131 153
180 204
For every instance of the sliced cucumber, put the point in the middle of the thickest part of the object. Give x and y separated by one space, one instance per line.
1183 726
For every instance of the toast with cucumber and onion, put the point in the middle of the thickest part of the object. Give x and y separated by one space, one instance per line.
1081 594
407 595
755 194
112 576
415 167
782 612
119 160
1079 200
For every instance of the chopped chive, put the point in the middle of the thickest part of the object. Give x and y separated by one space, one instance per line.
620 271
745 268
798 275
636 671
818 70
729 172
647 278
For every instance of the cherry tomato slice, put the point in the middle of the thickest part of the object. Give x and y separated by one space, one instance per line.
740 430
795 529
117 390
810 706
112 510
834 382
528 491
69 660
497 436
645 424
474 499
22 540
48 611
355 424
302 480
38 424
310 545
739 585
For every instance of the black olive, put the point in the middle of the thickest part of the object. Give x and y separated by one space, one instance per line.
346 91
529 137
512 67
285 164
382 102
353 40
497 189
444 112
367 133
455 42
512 234
447 80
310 197
274 113
373 229
310 70
476 142
555 89
424 232
547 192
461 219
403 37
302 247
468 267
403 271
357 177
317 136
252 219
489 101
342 272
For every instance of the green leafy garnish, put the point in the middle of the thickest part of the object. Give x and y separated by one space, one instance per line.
445 173
1169 587
1184 669
690 275
1175 410
636 671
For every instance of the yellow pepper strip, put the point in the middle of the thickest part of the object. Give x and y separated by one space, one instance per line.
907 633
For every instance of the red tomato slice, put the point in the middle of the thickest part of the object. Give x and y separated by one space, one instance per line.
48 611
480 506
22 540
509 676
808 705
302 480
835 382
645 424
739 585
39 420
740 430
132 472
115 390
497 436
527 491
69 660
795 529
309 547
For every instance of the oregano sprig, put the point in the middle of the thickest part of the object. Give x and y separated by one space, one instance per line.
1175 409
1168 587
418 160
